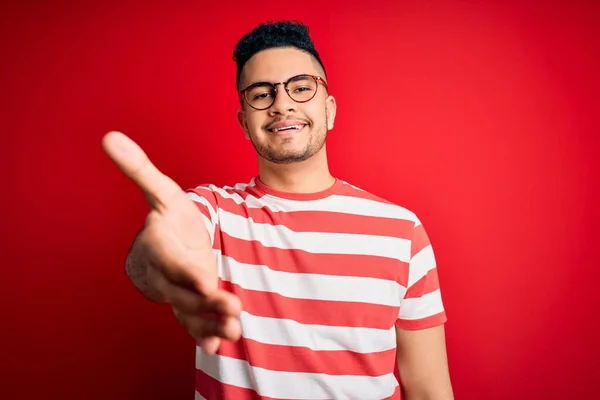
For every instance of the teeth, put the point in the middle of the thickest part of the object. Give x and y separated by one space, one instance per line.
288 128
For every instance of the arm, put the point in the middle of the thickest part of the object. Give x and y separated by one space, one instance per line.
420 335
423 364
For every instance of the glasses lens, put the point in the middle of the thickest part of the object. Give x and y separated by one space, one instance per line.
302 88
260 96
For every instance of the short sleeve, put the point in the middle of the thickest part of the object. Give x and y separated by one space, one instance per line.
422 306
206 201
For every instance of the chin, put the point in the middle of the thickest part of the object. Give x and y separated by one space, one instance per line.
288 159
284 157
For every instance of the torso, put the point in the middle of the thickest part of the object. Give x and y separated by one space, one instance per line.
321 278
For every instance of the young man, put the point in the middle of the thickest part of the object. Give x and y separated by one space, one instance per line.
296 285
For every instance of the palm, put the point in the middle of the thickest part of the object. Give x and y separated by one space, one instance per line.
185 221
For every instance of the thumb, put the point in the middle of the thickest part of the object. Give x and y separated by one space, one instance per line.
133 162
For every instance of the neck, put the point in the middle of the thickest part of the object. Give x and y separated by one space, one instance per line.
309 176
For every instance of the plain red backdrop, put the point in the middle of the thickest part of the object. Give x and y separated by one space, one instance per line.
481 117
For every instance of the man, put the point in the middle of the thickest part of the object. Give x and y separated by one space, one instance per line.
296 284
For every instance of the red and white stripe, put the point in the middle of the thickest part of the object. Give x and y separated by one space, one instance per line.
324 284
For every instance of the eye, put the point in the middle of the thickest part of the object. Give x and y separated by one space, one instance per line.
302 89
261 96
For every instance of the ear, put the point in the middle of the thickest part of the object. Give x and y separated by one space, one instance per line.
330 110
241 117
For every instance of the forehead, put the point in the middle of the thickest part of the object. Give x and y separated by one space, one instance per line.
276 65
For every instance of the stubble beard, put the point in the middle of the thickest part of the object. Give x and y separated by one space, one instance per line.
288 156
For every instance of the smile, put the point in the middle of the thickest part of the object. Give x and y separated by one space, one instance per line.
291 128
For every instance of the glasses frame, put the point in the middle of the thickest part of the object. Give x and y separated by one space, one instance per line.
243 94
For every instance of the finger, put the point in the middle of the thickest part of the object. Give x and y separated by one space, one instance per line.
158 188
207 325
211 344
221 302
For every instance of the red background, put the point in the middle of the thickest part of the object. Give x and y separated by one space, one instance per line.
481 117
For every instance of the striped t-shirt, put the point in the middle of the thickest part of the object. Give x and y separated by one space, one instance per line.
324 279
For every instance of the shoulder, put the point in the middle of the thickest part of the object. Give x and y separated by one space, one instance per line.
216 192
211 187
376 204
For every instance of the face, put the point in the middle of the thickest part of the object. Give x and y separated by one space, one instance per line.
288 131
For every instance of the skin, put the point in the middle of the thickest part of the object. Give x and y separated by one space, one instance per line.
310 172
171 260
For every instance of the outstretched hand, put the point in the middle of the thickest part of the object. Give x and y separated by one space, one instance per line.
177 251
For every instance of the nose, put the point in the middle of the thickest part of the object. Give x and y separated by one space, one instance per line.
283 102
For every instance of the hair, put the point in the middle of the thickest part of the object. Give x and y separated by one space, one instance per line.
272 35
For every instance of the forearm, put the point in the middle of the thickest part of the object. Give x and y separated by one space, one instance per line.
136 268
423 364
437 387
442 395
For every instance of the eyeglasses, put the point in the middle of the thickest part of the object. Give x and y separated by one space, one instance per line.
300 88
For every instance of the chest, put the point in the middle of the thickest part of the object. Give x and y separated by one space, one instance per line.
295 269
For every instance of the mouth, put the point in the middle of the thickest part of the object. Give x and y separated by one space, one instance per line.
287 129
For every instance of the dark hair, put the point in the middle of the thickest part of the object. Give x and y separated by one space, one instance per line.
270 35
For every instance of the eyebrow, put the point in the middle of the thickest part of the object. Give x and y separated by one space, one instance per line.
265 83
260 83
